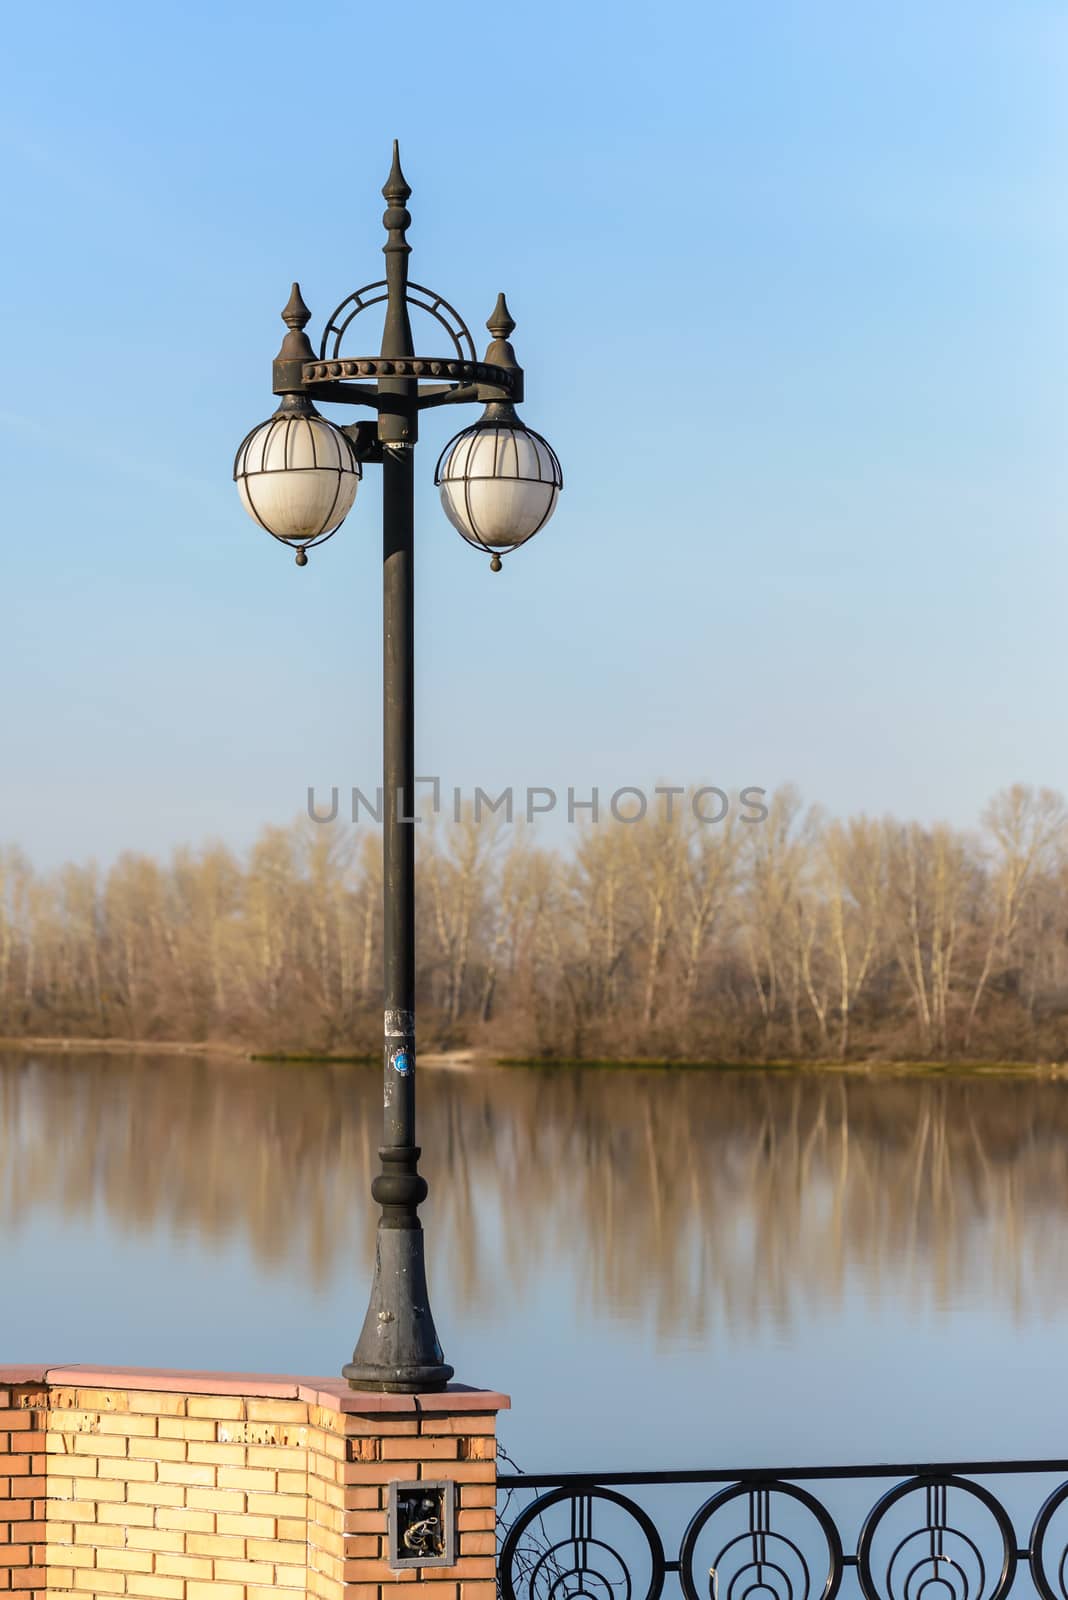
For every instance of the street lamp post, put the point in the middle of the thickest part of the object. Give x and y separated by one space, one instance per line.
297 475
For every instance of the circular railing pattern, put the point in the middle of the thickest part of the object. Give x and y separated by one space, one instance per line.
937 1535
930 1556
1055 1588
767 1556
591 1545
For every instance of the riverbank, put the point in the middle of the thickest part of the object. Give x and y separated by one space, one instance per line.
478 1060
457 1060
170 1047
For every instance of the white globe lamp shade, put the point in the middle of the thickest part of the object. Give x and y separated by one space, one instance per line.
297 475
499 482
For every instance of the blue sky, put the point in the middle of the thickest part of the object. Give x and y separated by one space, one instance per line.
790 290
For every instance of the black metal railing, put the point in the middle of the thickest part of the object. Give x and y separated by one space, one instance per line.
936 1531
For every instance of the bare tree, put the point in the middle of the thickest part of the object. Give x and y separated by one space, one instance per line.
1025 826
709 877
852 875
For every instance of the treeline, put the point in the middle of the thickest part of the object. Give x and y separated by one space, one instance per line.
800 936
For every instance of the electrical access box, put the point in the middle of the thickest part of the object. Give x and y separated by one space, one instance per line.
422 1524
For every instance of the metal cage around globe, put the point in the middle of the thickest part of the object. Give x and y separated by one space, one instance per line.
297 475
499 483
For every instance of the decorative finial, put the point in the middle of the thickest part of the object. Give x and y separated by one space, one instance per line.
296 314
302 558
396 188
495 564
500 322
396 219
296 346
397 330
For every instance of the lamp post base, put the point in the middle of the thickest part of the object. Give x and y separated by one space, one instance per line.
398 1350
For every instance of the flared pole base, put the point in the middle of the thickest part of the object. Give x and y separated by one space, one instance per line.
398 1350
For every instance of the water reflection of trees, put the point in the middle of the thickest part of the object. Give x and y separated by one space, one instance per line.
679 1197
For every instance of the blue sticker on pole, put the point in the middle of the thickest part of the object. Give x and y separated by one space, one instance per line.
402 1062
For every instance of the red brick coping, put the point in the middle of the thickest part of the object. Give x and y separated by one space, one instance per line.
330 1392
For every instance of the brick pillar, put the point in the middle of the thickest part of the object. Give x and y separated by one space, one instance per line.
358 1445
22 1485
227 1486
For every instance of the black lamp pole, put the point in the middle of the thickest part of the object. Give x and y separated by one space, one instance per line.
297 475
398 1348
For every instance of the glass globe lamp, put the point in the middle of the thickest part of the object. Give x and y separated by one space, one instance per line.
297 475
499 483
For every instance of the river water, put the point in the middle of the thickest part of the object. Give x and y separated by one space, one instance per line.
664 1269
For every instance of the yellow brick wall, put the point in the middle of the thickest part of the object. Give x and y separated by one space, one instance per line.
175 1497
184 1496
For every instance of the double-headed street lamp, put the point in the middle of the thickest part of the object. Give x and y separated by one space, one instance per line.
297 475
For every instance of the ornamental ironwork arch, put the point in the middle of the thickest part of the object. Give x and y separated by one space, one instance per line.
418 296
